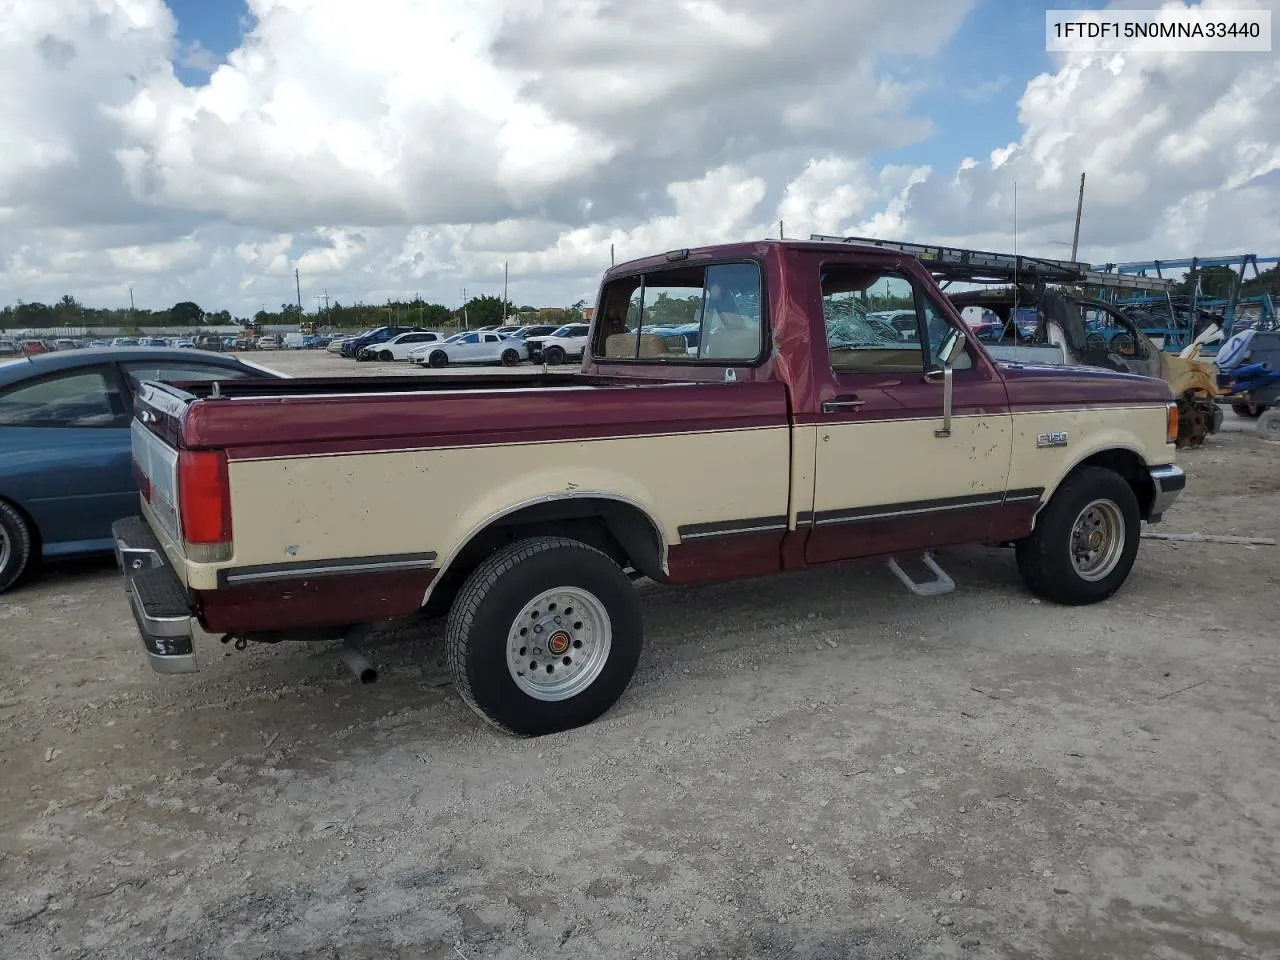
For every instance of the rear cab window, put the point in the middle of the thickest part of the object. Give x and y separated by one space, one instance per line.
685 314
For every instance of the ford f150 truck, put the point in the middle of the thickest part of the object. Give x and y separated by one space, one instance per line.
794 431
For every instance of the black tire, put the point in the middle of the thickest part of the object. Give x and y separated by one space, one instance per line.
1250 411
16 546
510 358
487 607
554 356
1269 425
386 356
438 359
1045 557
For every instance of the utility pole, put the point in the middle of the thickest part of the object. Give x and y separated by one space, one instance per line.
781 235
297 285
611 255
504 293
466 324
1075 238
131 307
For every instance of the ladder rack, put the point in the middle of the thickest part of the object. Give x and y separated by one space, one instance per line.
982 266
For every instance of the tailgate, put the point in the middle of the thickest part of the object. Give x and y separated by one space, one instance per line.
155 461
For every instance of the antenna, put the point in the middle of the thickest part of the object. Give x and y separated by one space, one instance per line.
1014 317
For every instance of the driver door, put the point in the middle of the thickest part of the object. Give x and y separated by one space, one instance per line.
888 479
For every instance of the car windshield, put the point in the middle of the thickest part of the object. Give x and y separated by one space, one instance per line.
565 331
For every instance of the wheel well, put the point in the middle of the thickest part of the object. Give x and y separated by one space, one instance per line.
1132 468
621 530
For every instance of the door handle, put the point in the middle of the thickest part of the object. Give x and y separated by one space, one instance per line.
836 404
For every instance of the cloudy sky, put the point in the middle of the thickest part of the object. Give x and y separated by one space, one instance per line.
203 149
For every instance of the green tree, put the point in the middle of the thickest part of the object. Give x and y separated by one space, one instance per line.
1215 282
1267 281
485 310
186 314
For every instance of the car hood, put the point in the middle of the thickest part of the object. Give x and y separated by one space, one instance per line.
1053 382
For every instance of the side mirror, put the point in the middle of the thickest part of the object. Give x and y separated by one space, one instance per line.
950 347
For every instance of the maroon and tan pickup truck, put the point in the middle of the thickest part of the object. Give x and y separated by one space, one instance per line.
740 410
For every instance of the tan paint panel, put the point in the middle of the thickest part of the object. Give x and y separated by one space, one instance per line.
331 507
804 453
895 461
1140 429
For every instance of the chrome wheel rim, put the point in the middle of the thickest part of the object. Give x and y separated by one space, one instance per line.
6 549
1097 540
559 643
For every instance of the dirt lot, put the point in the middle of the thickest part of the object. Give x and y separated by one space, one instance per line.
815 766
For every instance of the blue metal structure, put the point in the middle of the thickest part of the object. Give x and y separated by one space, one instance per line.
1184 317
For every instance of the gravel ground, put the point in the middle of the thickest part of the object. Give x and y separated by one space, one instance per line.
812 766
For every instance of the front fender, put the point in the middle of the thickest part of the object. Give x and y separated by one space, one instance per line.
1138 431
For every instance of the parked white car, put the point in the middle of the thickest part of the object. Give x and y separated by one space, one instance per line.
567 343
474 347
401 346
269 342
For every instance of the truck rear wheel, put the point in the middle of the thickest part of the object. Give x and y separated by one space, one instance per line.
544 636
1085 540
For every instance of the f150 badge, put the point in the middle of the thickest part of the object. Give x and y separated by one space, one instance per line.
1051 439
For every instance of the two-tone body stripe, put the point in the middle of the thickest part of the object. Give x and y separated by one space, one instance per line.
882 511
729 528
311 569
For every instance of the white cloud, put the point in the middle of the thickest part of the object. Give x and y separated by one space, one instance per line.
389 147
196 57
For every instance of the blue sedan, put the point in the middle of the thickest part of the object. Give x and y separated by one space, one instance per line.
65 461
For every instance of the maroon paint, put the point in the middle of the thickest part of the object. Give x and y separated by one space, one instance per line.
296 426
310 603
708 559
1033 387
925 531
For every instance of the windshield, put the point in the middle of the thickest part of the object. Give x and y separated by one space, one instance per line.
565 331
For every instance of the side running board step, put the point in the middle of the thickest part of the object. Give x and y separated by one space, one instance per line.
942 584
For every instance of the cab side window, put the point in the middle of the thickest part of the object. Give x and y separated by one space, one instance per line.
880 321
683 314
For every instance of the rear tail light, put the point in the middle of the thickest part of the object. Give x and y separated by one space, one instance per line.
1171 426
204 505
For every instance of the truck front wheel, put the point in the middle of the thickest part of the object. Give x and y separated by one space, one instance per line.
1085 540
544 636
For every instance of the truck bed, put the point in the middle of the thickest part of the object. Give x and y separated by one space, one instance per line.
347 415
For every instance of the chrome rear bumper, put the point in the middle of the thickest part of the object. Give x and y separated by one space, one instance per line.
157 598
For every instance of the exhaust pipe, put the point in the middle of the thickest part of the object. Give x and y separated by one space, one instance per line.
359 664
